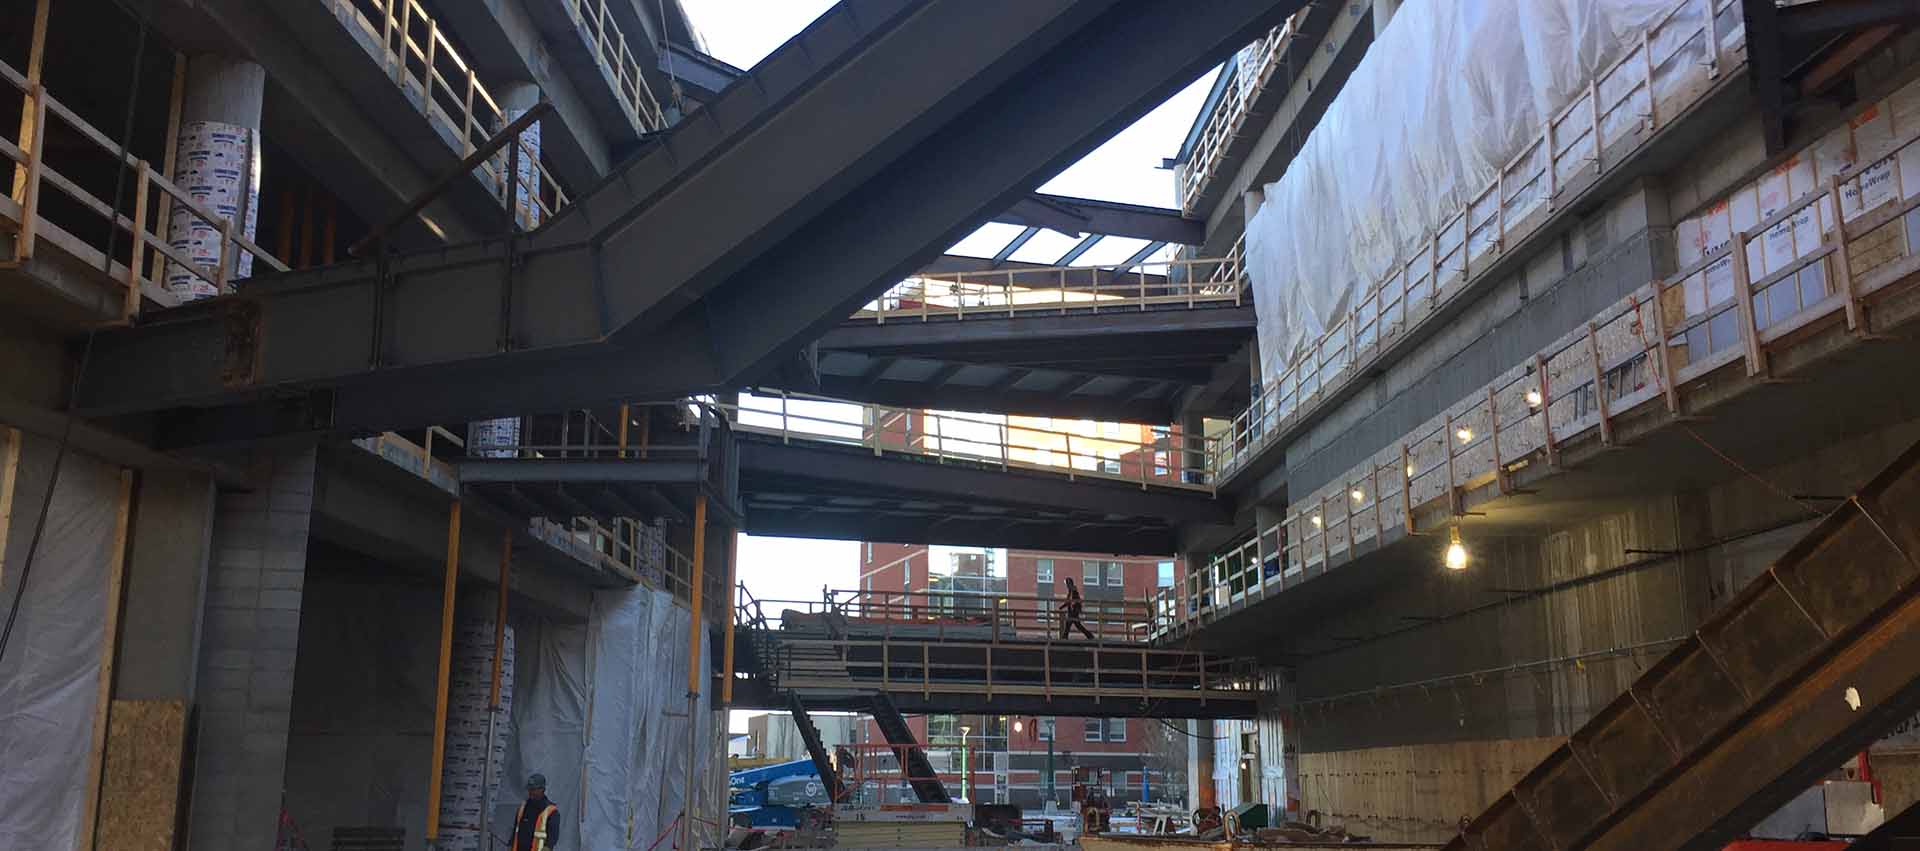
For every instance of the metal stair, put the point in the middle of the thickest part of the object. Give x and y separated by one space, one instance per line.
816 749
914 763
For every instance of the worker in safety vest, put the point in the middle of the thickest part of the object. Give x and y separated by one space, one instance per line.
534 826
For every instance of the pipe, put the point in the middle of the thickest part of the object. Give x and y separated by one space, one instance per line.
493 692
446 672
695 586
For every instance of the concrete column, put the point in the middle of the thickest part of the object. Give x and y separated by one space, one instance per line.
218 165
248 646
1265 518
515 99
1193 428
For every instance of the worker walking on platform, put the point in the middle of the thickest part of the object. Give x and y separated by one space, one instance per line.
533 826
1072 610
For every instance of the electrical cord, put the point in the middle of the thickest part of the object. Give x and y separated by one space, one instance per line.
86 351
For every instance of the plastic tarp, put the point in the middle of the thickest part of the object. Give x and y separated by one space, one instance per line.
549 721
602 711
49 679
1450 93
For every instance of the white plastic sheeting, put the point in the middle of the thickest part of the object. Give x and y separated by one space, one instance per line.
1451 92
602 711
49 680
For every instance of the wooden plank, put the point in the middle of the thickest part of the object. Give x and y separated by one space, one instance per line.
109 638
9 476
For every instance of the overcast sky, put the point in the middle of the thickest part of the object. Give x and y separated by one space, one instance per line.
1126 168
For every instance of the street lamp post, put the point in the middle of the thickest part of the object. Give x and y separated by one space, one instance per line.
965 772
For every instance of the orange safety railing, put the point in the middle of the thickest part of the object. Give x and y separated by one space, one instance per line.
155 198
609 45
447 90
1236 103
1569 154
1150 456
1049 290
975 614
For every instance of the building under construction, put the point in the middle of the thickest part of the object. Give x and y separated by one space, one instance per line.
1520 391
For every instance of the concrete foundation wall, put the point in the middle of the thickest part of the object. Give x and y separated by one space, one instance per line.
1454 671
248 642
1415 793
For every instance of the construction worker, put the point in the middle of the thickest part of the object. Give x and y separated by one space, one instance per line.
1072 609
534 828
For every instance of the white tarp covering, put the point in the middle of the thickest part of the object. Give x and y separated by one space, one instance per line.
50 677
1451 92
602 711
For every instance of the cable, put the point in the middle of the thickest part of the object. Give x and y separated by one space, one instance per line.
86 351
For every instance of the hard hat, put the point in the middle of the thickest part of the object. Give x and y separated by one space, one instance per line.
536 780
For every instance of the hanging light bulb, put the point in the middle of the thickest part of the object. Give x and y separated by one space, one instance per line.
1456 553
1533 397
1465 434
1357 495
1019 726
1316 520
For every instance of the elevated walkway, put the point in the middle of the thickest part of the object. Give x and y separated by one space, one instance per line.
996 654
1121 343
819 468
766 216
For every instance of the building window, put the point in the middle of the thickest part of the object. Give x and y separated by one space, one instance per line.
1093 726
1110 461
1046 729
1090 572
1165 577
1043 570
1116 729
1110 429
869 552
1116 574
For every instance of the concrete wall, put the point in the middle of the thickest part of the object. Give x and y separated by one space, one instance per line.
360 743
166 579
246 668
1452 671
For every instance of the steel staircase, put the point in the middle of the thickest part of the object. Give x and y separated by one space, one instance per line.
816 749
914 763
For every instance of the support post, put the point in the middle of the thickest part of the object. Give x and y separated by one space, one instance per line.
30 118
695 586
493 690
733 573
446 673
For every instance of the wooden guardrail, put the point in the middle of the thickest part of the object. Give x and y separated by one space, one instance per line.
154 196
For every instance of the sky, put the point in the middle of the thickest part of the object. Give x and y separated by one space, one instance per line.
1126 169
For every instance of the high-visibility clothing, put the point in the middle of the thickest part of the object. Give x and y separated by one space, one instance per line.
540 831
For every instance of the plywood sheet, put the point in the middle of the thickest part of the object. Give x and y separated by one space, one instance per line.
140 794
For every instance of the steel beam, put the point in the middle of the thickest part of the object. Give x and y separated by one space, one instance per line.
1078 216
1835 17
884 183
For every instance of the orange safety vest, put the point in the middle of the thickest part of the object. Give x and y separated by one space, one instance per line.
539 827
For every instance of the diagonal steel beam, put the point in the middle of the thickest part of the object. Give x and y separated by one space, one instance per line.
1811 662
